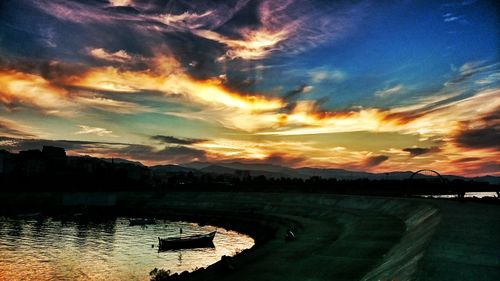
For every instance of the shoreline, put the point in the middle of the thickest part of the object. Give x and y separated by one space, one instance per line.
341 237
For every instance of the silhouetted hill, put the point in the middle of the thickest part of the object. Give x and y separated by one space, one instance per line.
488 179
172 169
50 169
334 173
276 171
259 167
242 170
122 161
197 165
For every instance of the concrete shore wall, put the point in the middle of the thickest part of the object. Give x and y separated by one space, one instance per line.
387 237
338 237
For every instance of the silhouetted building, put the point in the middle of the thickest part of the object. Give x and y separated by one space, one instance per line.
31 163
4 161
55 159
32 154
53 152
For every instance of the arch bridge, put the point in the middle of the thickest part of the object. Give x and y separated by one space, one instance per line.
428 173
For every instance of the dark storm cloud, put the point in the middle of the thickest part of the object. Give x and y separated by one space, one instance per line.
171 154
283 159
174 24
484 135
373 161
15 144
489 167
67 30
467 159
416 151
182 154
487 137
175 140
296 92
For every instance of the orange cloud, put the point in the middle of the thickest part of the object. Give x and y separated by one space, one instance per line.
168 77
118 56
237 110
15 129
30 89
268 117
118 3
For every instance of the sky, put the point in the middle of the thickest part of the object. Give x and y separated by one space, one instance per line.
373 86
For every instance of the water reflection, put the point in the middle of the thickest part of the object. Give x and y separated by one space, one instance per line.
481 194
48 249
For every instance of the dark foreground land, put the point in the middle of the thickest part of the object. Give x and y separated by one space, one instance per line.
338 237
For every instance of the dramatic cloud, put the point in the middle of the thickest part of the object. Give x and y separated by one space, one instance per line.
467 159
297 91
19 88
120 2
101 132
318 76
143 153
150 155
9 128
416 151
373 161
290 82
233 109
283 159
118 56
175 140
389 91
481 133
470 69
182 154
284 25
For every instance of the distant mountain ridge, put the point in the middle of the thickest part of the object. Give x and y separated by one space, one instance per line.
276 171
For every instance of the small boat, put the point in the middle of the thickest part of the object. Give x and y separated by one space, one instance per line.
133 222
187 242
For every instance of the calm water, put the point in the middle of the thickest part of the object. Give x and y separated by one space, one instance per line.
467 195
47 249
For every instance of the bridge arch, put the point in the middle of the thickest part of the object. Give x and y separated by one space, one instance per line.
428 172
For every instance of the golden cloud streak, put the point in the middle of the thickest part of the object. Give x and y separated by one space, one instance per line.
20 88
169 78
118 56
255 44
268 116
31 89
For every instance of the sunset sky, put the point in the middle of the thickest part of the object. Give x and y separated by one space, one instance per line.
362 85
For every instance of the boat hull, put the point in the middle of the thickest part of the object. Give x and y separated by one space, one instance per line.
198 241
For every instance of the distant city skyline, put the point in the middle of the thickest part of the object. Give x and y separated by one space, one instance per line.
373 86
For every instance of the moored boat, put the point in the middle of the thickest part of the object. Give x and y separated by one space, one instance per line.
187 242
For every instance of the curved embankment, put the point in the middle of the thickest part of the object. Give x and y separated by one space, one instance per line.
339 237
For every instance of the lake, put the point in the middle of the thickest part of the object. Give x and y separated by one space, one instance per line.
48 249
